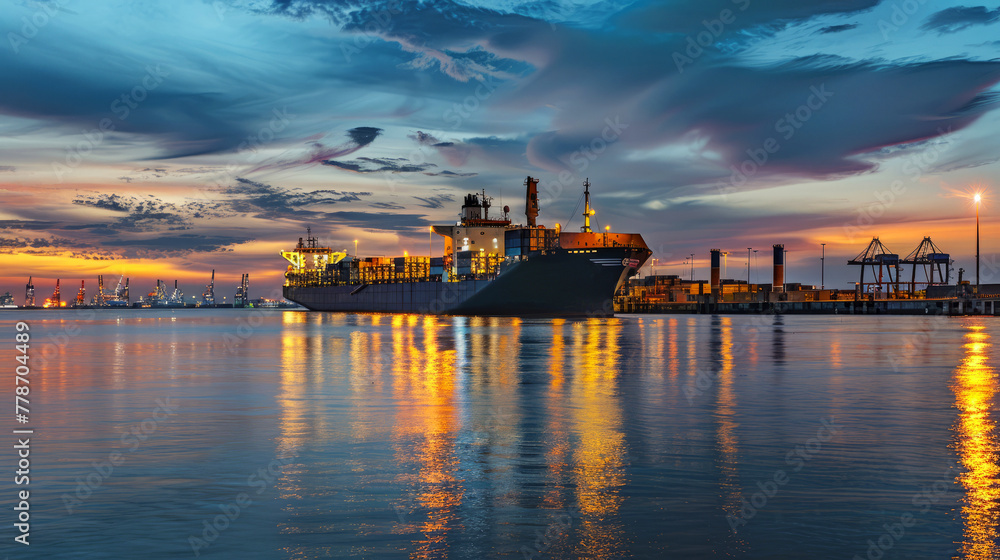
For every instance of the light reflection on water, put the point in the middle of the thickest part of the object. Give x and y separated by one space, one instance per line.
465 437
975 386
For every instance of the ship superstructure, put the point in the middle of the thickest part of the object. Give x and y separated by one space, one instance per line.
488 267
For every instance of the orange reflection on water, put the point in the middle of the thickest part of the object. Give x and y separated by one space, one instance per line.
556 436
974 384
673 355
726 428
692 353
558 353
425 429
835 353
601 450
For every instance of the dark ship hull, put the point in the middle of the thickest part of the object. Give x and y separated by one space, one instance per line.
556 283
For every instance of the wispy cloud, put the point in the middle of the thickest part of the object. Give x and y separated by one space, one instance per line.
957 18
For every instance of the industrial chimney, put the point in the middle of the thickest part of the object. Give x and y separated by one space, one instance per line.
531 200
716 276
778 284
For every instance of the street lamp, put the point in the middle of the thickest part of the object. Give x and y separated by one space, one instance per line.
748 267
977 198
822 268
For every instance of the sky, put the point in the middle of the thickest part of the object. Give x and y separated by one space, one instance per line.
162 140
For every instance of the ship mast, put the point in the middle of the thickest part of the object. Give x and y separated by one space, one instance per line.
587 212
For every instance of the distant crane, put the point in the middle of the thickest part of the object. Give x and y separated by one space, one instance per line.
177 297
208 297
885 268
99 296
242 298
81 296
29 294
56 299
928 256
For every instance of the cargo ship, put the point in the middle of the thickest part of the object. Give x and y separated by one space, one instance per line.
489 266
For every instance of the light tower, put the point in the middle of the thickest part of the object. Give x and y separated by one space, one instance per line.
822 268
977 198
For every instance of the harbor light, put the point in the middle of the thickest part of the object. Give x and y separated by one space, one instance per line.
977 198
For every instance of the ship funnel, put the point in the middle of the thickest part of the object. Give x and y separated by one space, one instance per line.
716 276
473 208
531 200
778 283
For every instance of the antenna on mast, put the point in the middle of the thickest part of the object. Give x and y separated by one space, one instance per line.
587 212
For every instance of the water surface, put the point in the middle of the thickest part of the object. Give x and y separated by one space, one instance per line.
320 435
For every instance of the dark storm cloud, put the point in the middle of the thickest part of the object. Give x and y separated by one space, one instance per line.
184 122
837 28
364 135
732 108
950 20
819 115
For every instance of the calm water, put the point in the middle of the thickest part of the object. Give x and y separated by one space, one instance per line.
307 435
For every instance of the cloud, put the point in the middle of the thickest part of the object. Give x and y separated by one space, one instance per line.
28 225
364 135
423 138
111 202
957 18
380 165
483 150
687 16
270 202
450 174
143 215
822 115
318 153
436 201
837 28
179 244
387 205
7 168
375 221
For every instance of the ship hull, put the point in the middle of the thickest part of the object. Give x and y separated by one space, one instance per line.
558 283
